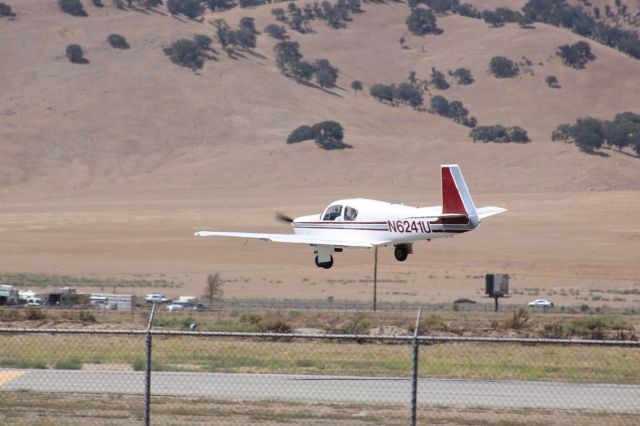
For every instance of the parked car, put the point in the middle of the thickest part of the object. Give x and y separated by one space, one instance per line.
541 303
34 301
174 307
200 307
156 298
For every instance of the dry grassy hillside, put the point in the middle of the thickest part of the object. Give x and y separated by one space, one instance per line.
133 118
107 168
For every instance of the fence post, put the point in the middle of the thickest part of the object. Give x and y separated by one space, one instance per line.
147 371
414 373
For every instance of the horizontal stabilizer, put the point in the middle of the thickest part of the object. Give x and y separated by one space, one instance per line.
440 216
489 211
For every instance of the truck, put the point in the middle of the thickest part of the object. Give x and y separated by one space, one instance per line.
156 298
8 295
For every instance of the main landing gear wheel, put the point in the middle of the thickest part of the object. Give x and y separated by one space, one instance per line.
401 252
325 265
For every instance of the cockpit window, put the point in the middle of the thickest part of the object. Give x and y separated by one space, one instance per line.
350 213
332 212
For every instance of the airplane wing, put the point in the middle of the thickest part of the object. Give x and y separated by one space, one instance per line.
489 211
291 238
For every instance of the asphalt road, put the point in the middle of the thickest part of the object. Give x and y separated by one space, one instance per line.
497 394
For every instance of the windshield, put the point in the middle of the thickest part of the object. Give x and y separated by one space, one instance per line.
332 212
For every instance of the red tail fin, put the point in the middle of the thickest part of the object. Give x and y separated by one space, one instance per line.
455 194
451 200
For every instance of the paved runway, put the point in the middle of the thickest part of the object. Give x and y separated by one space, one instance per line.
502 393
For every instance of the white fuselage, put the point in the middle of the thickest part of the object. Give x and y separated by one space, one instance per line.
379 221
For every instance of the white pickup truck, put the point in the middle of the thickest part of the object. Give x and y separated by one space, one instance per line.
156 298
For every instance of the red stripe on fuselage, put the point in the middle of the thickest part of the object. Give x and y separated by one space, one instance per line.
330 222
342 228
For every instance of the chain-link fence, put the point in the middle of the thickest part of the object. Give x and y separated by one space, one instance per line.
62 375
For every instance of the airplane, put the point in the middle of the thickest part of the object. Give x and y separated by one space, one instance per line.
364 223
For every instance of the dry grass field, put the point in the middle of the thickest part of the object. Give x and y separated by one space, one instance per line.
29 408
108 168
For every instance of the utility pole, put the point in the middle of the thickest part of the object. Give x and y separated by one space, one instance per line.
375 278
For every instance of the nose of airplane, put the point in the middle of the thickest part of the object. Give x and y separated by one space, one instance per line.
283 218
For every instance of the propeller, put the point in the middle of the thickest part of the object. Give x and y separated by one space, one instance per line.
283 217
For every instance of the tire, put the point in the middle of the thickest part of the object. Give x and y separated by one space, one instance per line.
325 265
401 253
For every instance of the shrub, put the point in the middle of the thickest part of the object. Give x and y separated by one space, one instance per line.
502 67
248 23
185 53
552 81
432 323
422 22
302 133
468 10
74 363
279 14
518 135
499 133
561 133
276 31
409 94
329 135
83 316
459 114
203 41
302 71
326 74
517 320
5 11
623 131
553 331
117 41
464 300
271 325
438 80
576 55
251 3
440 105
220 4
354 326
140 364
382 92
75 54
244 38
190 8
598 327
287 53
98 3
463 76
501 16
34 314
356 85
72 7
9 315
588 134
